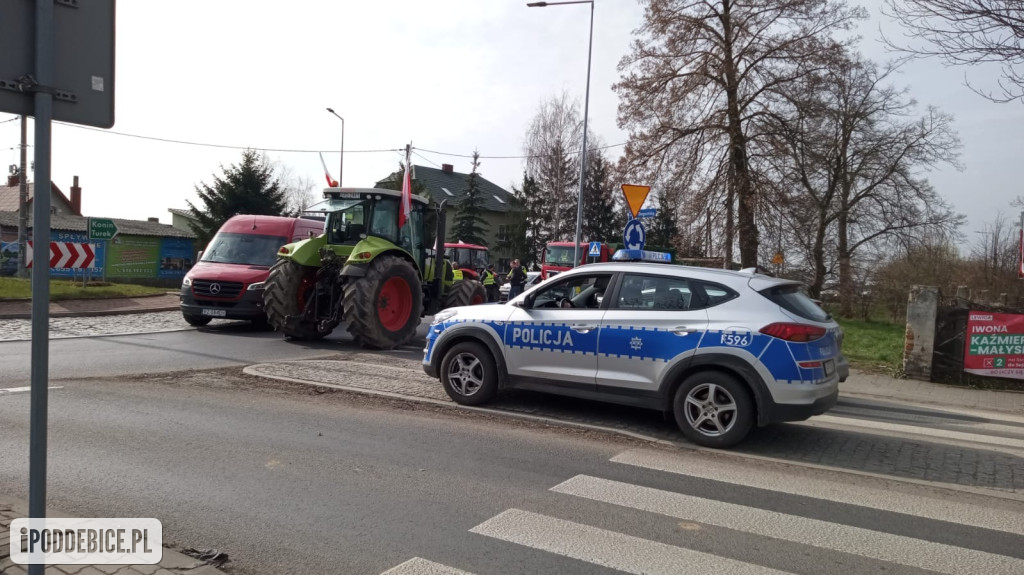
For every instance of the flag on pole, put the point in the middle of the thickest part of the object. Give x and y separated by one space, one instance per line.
331 183
406 211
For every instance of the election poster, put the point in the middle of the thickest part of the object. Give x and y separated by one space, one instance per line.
995 344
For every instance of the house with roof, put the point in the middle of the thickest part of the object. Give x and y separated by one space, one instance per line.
497 204
143 252
60 204
181 219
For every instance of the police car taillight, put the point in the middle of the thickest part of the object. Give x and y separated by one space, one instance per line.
794 331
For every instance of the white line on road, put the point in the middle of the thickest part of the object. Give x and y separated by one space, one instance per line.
940 509
10 390
822 534
919 430
606 548
419 566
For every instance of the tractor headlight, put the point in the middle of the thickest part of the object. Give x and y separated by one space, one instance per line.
443 316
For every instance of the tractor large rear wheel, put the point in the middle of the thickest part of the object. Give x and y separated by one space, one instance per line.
383 307
466 292
286 291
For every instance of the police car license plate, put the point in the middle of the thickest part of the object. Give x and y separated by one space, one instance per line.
215 312
830 367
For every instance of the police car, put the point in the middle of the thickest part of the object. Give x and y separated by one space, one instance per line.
722 351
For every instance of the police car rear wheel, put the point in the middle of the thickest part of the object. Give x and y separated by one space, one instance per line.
713 409
469 374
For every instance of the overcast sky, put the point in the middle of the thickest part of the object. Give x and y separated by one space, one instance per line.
449 76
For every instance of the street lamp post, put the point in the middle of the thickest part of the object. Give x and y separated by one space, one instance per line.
341 163
586 111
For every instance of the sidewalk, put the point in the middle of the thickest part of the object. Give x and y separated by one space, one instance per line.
22 309
172 563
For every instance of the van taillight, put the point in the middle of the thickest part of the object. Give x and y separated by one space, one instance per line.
794 331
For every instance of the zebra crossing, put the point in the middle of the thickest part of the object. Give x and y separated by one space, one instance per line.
931 530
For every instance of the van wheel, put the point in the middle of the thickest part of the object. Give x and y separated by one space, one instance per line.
469 374
197 320
713 409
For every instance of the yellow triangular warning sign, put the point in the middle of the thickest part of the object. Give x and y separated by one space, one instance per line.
635 197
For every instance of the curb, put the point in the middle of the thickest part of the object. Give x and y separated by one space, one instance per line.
1008 495
21 315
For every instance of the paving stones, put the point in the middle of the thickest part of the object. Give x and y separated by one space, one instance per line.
89 326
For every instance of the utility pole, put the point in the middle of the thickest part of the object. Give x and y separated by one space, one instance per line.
23 201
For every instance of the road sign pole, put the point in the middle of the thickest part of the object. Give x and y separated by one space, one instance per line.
41 268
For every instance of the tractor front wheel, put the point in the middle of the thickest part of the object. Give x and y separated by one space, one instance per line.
466 292
288 287
383 308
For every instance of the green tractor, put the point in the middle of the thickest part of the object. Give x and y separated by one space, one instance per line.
365 270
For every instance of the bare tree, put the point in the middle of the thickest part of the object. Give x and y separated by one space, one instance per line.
552 147
854 155
966 32
298 190
702 72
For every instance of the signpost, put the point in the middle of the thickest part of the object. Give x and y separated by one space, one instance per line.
595 250
102 229
634 236
635 197
58 63
647 213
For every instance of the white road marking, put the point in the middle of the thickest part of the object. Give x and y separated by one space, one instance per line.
606 548
420 566
898 549
918 430
942 509
9 390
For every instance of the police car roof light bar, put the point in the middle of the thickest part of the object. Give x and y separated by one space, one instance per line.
642 256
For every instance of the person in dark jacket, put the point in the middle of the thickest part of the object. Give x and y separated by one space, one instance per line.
516 280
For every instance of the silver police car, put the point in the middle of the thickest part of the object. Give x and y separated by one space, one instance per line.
721 350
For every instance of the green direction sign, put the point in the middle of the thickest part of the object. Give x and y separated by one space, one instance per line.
102 229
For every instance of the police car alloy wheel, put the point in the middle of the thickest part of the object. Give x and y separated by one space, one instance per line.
714 410
469 374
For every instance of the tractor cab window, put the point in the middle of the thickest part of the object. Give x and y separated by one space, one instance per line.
348 225
384 223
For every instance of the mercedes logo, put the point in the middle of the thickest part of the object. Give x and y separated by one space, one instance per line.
215 288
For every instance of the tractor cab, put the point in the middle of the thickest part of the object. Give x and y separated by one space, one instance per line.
470 259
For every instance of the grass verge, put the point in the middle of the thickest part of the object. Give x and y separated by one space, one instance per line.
61 289
874 346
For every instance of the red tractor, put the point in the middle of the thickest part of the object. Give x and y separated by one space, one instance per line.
471 259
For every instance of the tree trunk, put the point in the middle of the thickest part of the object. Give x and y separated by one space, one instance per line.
730 225
818 256
846 287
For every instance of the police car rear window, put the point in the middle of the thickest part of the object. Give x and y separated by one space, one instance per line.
792 299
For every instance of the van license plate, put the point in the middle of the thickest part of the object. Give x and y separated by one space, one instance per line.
215 312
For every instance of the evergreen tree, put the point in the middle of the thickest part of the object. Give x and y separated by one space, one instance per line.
662 231
515 243
602 221
246 188
470 223
535 220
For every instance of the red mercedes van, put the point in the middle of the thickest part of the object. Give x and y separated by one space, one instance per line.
227 282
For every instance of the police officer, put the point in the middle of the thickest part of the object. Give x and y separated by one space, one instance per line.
516 279
490 283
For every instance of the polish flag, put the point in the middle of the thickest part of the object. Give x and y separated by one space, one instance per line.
406 211
331 183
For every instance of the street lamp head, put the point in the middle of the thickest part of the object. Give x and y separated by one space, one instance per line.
331 110
536 4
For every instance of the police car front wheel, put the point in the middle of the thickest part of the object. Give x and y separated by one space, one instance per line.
469 374
713 409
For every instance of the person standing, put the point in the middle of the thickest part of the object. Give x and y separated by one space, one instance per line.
516 280
490 283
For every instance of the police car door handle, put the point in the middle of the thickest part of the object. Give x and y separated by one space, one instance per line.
684 330
582 327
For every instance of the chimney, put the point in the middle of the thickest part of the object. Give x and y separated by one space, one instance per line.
13 180
447 168
76 198
154 220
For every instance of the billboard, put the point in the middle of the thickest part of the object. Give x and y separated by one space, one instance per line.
994 344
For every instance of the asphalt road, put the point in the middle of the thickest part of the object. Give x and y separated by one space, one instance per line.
288 480
204 348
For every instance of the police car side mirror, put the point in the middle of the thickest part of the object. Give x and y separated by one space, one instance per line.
528 302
